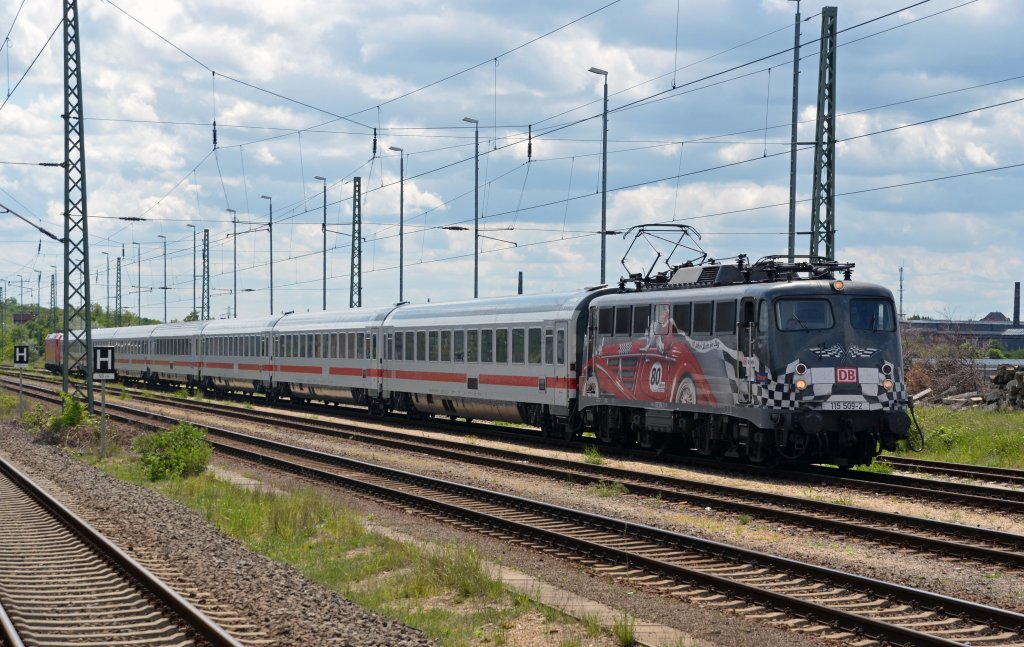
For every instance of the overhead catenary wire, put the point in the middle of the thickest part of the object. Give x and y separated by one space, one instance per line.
495 141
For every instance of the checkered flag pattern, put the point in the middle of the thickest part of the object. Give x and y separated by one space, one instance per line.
834 351
857 352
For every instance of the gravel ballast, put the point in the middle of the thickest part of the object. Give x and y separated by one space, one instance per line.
276 599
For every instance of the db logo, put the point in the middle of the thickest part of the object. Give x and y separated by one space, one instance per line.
846 375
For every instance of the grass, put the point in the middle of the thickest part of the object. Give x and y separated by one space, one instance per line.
592 455
441 590
607 488
993 438
624 630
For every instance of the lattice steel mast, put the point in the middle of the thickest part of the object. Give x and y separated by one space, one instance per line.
77 345
355 299
117 298
823 216
206 275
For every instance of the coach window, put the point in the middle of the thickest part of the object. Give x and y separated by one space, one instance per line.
533 353
473 346
623 314
399 337
549 346
725 317
446 345
339 344
309 345
421 346
487 346
702 314
350 345
460 345
372 352
641 320
263 346
681 317
501 345
432 336
561 347
605 321
358 348
410 346
518 345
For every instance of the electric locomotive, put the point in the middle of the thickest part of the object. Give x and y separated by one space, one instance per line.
752 362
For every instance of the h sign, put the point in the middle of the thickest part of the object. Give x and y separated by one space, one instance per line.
20 355
103 363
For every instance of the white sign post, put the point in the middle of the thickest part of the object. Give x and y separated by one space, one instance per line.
20 360
103 370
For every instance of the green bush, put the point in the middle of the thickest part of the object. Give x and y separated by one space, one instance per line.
179 451
72 413
946 437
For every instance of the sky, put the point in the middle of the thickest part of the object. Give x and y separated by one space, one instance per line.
928 169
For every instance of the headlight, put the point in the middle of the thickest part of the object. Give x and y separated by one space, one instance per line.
838 286
801 385
801 369
887 384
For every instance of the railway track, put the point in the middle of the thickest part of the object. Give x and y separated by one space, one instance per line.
913 533
1008 476
801 596
62 583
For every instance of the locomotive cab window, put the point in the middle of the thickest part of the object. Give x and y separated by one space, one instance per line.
872 314
605 321
803 314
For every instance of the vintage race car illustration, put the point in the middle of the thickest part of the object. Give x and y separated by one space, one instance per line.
659 367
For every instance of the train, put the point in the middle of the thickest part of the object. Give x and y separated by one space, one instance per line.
775 362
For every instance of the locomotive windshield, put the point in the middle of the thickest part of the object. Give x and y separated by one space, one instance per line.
872 314
803 314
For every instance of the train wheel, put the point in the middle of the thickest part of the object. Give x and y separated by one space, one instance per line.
686 391
657 441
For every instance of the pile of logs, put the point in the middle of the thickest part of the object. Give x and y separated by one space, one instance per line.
1009 380
1006 392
